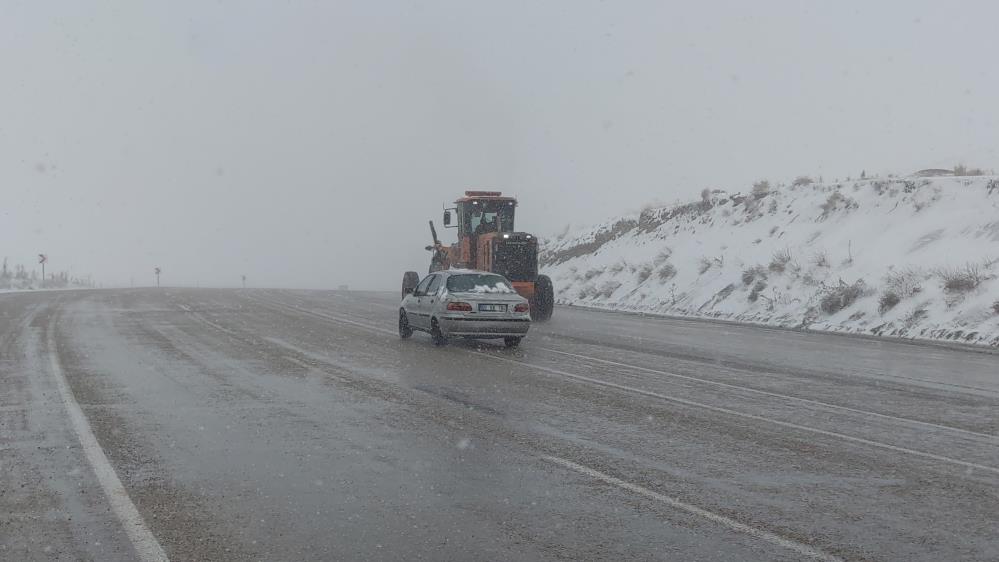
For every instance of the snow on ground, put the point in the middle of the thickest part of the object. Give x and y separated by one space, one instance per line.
905 257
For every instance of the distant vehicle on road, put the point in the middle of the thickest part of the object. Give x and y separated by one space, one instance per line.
465 303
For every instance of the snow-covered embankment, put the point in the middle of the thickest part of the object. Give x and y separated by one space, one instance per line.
904 257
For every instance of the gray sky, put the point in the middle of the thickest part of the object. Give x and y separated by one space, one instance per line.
306 144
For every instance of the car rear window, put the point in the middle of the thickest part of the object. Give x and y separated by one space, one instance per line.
478 283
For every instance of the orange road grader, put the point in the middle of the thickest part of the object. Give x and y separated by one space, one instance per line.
487 241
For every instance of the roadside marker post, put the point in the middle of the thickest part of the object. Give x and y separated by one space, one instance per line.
42 259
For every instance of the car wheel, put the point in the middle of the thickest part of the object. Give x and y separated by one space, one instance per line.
436 334
511 342
405 330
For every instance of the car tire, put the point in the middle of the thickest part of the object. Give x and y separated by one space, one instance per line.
410 280
405 330
511 342
543 302
436 335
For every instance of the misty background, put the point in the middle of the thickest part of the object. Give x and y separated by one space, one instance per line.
306 144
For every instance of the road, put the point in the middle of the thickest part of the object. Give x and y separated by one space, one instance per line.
201 424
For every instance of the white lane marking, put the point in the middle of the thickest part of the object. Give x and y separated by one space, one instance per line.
795 546
146 545
693 403
753 417
773 394
330 317
298 362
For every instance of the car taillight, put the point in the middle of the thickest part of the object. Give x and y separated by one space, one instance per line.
522 307
459 306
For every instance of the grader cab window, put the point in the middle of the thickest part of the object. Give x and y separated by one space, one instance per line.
481 217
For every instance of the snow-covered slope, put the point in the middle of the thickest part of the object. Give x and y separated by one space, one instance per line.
905 257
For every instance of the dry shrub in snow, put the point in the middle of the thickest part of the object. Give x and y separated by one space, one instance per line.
757 289
995 306
802 181
904 282
761 188
837 201
820 258
961 279
780 259
667 272
962 170
618 267
608 288
841 296
888 301
751 274
644 273
662 256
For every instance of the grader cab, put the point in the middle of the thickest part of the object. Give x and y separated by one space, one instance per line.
488 241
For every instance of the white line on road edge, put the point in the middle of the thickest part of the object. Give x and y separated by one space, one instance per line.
800 548
773 394
146 545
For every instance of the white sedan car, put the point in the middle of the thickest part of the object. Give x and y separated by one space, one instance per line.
466 304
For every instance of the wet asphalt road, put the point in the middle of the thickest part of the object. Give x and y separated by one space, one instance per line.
295 425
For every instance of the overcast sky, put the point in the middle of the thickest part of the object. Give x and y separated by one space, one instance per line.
306 144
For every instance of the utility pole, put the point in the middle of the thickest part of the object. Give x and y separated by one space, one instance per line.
42 258
244 281
157 270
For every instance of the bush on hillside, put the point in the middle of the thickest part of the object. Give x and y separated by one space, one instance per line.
662 256
779 260
608 288
962 170
961 279
836 201
751 274
904 282
820 258
841 296
667 272
761 189
888 301
644 272
757 289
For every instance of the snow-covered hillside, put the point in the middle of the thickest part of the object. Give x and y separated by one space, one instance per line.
905 257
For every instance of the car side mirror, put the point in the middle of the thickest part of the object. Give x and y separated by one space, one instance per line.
447 218
409 290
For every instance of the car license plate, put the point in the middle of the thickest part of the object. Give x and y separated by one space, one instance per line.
492 308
